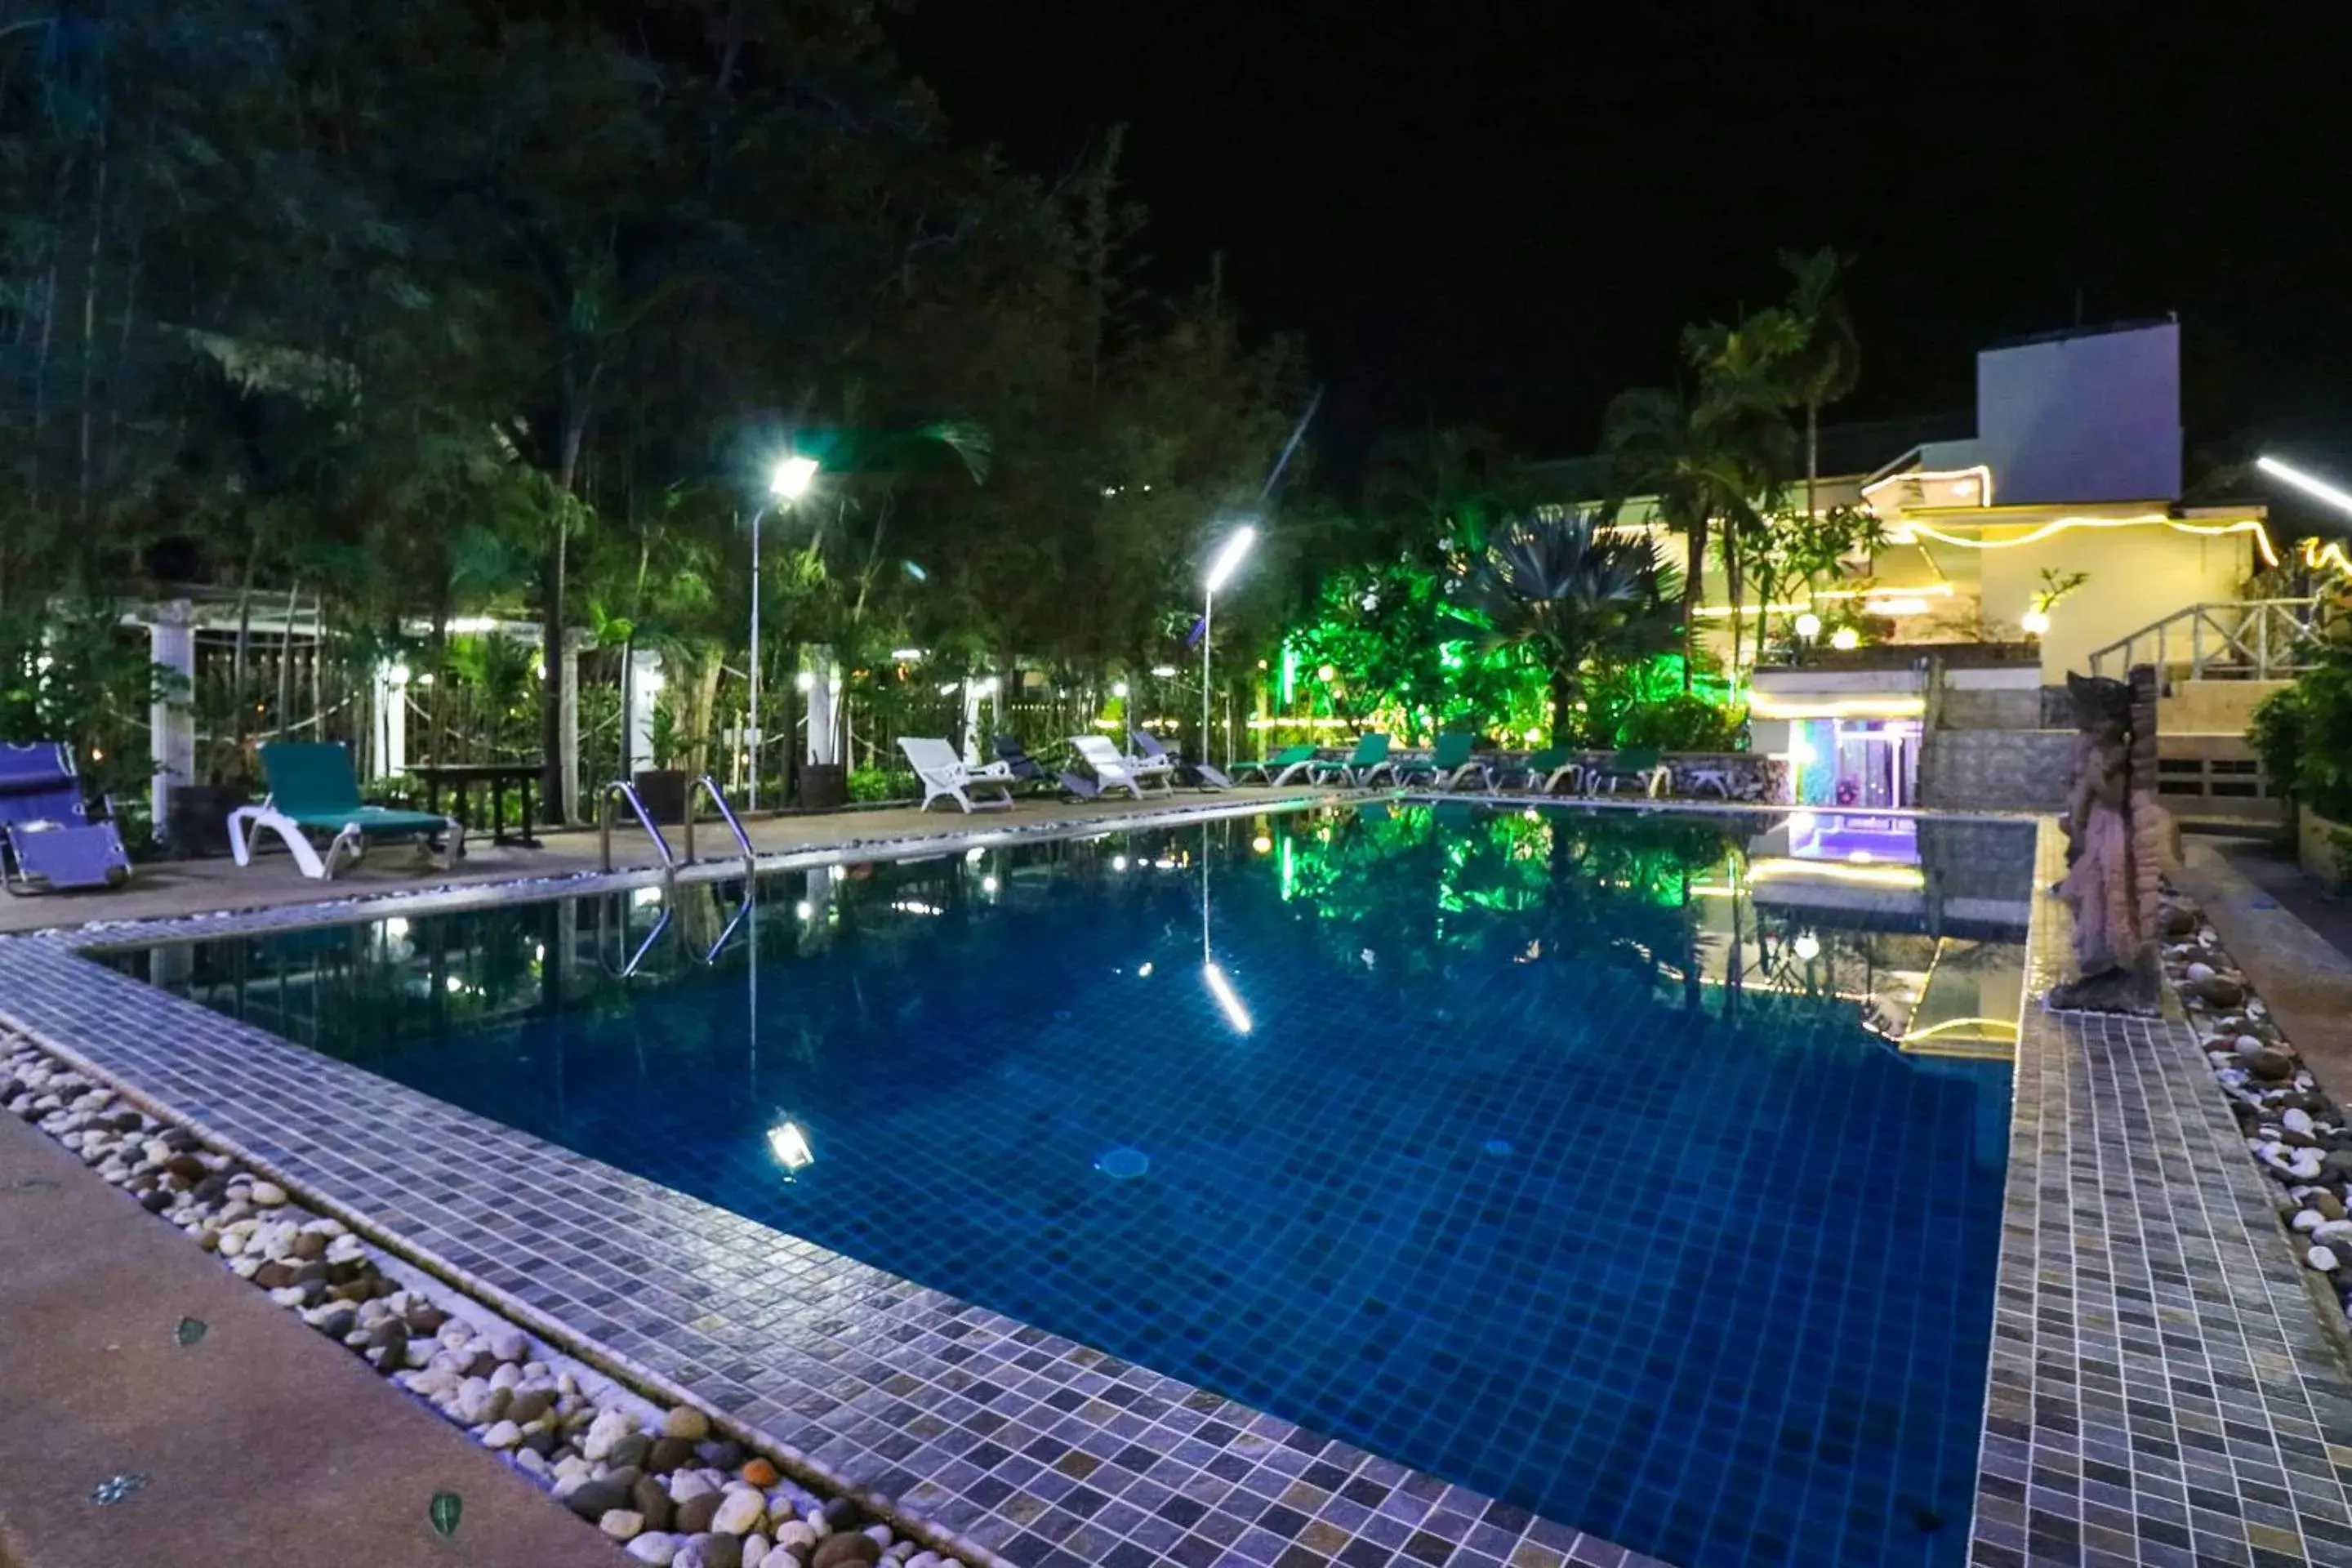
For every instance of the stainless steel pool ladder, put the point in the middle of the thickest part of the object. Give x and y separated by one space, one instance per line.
624 790
709 786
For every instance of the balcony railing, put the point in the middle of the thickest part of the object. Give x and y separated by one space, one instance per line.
2236 639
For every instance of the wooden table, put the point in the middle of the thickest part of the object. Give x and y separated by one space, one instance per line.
460 779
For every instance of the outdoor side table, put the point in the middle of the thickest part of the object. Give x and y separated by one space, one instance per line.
460 778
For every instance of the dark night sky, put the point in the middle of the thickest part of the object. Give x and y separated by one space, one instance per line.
1501 212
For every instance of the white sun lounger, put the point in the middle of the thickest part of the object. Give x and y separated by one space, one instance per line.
943 772
1114 769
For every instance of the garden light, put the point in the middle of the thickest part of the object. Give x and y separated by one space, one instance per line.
1221 569
1118 688
1809 626
793 478
1807 947
1845 640
2035 622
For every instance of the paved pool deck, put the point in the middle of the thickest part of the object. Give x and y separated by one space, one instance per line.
173 890
2161 1388
261 1445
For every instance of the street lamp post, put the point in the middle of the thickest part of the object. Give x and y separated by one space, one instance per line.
788 484
1221 568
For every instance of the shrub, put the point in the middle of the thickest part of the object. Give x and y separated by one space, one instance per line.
1684 722
869 785
2303 736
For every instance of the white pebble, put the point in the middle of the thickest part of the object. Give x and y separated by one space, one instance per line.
777 1557
510 1344
609 1427
688 1484
269 1195
622 1524
504 1435
795 1533
2321 1258
2297 1120
654 1546
2307 1219
2200 972
740 1513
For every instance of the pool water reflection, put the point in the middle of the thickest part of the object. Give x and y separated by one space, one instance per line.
1642 1171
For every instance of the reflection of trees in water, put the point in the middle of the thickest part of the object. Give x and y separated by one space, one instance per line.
1455 892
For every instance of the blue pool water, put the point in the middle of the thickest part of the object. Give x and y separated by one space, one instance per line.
1577 1157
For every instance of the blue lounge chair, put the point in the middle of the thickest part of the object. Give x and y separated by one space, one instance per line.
1149 749
46 834
312 790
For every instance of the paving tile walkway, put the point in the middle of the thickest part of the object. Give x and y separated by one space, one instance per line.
261 1445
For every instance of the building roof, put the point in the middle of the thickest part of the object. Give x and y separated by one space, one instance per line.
1860 448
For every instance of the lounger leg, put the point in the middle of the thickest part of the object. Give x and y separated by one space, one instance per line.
345 846
456 846
255 817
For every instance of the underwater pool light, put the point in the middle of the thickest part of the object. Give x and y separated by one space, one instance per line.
790 1145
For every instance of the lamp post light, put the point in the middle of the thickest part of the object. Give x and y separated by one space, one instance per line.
1220 569
787 484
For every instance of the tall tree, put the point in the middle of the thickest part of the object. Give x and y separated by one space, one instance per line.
1822 365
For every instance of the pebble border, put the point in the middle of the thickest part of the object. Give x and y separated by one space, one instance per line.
657 1481
2295 1133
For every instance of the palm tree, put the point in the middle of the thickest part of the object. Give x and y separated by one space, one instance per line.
1707 463
1568 590
1824 365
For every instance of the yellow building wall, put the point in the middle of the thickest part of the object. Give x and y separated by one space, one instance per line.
2138 576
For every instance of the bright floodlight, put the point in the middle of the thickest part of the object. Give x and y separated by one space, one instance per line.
793 478
1229 557
1235 1014
2304 482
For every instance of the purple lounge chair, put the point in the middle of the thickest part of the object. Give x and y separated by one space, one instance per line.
46 834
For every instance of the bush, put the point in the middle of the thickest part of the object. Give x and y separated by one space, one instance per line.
1684 722
869 785
2303 736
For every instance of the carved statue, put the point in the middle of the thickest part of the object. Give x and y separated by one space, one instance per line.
2118 839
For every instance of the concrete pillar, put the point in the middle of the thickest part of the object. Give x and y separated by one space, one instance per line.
645 677
973 691
820 679
172 722
389 698
569 805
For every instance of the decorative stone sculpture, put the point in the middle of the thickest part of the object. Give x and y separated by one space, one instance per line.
2118 843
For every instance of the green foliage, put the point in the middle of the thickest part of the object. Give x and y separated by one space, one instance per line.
1567 592
1684 721
2303 735
867 785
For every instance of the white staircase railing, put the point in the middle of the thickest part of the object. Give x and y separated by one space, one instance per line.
2235 640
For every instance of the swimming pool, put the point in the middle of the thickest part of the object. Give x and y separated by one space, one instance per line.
1642 1171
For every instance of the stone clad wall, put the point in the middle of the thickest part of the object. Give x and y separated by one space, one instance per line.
1995 770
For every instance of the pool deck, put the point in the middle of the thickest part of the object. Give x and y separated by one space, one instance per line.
318 1448
2161 1388
178 888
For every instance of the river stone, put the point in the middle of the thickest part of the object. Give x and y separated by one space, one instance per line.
622 1524
267 1195
424 1318
687 1422
529 1403
609 1427
633 1450
841 1551
656 1546
840 1513
650 1500
2329 1206
670 1454
2321 1258
695 1514
740 1513
783 1557
2220 990
2271 1065
720 1551
502 1434
592 1499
